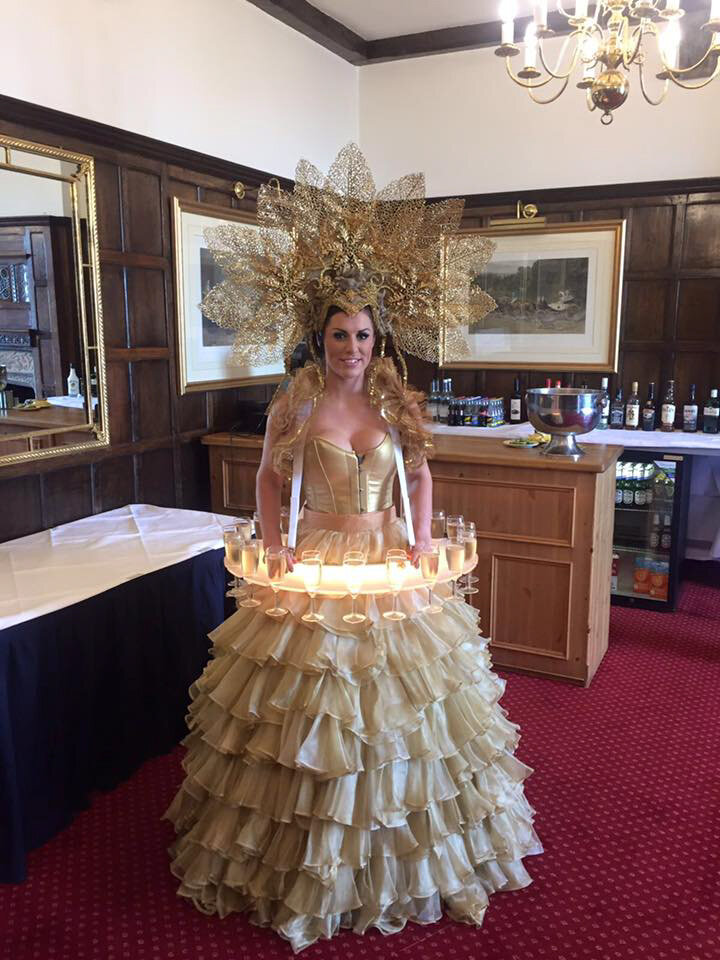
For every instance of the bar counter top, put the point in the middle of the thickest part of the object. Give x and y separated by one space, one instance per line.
492 450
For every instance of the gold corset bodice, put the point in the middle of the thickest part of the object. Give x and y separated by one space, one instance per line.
340 481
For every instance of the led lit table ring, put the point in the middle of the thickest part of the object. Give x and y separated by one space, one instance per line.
333 582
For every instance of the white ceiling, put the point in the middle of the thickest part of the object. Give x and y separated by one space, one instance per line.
374 19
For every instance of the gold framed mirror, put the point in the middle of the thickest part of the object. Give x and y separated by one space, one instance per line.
53 386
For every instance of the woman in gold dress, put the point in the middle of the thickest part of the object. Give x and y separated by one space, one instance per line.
347 775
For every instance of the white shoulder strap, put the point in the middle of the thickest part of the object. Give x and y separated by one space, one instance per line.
402 478
298 457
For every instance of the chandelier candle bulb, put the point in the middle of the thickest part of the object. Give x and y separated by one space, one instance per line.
508 32
540 14
714 12
531 46
581 9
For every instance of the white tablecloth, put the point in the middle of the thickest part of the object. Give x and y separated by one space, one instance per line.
55 568
65 401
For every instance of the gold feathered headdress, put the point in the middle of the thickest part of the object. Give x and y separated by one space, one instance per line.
335 241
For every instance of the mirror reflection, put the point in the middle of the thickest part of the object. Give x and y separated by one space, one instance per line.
51 371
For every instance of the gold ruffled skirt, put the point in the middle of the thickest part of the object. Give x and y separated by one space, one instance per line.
350 776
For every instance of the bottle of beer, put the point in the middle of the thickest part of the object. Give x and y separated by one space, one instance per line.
617 411
667 412
690 412
604 421
516 403
711 413
632 408
649 413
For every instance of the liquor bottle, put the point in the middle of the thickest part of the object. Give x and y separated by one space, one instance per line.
667 412
94 383
617 411
73 383
516 403
445 401
711 413
558 384
548 383
690 412
632 409
649 413
432 402
604 421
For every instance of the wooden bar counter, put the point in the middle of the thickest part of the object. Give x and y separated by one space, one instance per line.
544 525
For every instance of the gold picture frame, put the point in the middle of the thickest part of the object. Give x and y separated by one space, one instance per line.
205 359
558 288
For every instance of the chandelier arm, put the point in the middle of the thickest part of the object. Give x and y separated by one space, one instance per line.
637 32
674 72
560 75
650 100
695 86
554 97
526 85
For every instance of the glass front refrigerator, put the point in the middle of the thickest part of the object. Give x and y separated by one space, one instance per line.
651 500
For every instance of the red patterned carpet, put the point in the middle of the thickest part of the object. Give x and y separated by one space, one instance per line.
627 789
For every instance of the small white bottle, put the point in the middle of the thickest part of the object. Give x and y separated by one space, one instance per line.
73 383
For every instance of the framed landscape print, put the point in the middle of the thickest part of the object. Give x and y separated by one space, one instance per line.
557 290
205 356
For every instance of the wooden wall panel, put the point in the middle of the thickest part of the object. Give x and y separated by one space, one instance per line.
21 507
118 379
114 481
113 298
702 236
644 316
151 399
650 240
156 478
107 185
699 310
67 495
143 213
147 311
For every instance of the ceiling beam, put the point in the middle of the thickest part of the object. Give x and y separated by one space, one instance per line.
311 22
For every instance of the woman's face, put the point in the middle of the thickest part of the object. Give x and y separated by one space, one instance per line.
348 342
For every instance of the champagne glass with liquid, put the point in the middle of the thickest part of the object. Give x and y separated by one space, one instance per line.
470 537
354 570
455 553
284 524
396 564
437 524
250 559
312 576
276 561
454 525
429 568
257 526
233 542
244 526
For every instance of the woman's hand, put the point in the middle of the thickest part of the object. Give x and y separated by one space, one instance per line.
289 552
419 548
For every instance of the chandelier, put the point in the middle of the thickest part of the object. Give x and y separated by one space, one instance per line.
601 48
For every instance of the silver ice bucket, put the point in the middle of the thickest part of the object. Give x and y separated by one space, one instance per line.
564 413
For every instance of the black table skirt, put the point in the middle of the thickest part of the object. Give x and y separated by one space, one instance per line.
89 692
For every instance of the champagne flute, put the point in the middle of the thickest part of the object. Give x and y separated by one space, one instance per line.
276 560
470 555
284 524
354 569
396 563
256 525
250 559
312 575
454 525
437 524
429 568
244 526
455 553
233 542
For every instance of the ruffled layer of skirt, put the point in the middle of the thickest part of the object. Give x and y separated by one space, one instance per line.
353 777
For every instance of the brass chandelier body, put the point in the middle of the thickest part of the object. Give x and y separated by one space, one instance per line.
605 46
